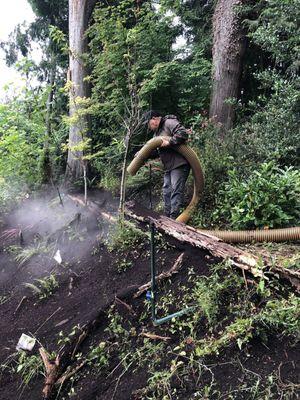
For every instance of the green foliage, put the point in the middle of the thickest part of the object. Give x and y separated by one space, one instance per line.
277 32
123 240
282 315
240 331
279 315
21 138
64 339
44 287
29 367
97 357
269 197
209 293
24 254
187 83
272 132
215 158
127 34
159 384
124 237
137 67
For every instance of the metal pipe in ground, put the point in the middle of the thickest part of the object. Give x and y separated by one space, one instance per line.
151 296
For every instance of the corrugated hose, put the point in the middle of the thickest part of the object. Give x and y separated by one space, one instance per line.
268 235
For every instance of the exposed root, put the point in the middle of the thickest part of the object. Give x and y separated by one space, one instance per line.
69 374
52 372
127 306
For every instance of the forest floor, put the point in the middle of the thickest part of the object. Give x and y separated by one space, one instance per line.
239 342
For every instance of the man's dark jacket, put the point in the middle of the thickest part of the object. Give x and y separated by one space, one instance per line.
171 127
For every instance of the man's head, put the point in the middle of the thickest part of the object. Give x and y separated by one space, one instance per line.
152 119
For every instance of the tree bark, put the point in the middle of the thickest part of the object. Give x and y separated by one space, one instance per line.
46 169
188 235
228 50
216 247
79 15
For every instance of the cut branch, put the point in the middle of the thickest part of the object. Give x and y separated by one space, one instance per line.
69 374
164 275
155 337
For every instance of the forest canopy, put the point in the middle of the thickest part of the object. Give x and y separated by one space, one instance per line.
108 62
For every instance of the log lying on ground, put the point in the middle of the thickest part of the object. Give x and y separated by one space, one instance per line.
216 247
188 235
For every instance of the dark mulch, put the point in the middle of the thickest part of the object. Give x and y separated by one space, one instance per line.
88 280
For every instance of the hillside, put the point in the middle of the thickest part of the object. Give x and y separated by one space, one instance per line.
239 341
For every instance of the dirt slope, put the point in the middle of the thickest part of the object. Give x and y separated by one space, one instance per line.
120 360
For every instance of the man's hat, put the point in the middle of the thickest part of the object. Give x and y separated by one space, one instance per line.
150 114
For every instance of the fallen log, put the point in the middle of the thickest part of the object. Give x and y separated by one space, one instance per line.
216 247
188 235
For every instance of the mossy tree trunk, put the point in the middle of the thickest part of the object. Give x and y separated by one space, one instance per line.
79 15
228 50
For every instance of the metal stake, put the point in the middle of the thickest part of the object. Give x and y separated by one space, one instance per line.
151 296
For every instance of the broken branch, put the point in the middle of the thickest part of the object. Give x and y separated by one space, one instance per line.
164 275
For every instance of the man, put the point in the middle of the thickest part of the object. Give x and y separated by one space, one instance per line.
176 167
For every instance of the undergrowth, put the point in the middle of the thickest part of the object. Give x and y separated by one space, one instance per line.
228 314
123 241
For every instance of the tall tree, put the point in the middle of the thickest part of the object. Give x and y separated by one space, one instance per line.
79 15
50 15
228 50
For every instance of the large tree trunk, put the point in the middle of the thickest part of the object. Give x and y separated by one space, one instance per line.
78 88
79 15
228 50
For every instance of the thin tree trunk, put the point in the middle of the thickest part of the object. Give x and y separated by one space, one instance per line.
46 170
123 178
228 49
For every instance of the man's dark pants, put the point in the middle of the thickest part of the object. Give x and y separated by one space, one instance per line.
173 189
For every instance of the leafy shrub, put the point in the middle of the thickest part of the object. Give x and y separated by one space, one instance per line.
272 132
277 32
98 356
270 197
282 315
43 288
21 143
29 367
209 293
